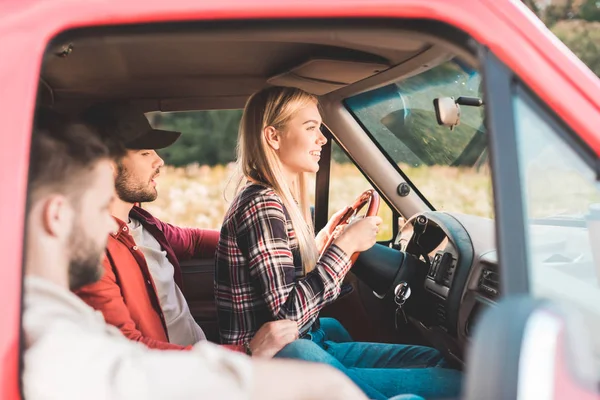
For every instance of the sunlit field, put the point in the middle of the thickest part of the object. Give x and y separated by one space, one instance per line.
199 196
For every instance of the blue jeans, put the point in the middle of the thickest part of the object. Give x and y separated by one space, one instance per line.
407 397
380 370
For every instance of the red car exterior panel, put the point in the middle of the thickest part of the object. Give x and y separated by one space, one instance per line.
561 81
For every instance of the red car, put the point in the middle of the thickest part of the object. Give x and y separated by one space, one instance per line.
436 102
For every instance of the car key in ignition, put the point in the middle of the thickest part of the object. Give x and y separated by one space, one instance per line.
401 294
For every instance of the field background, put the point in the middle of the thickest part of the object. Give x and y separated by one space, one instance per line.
199 195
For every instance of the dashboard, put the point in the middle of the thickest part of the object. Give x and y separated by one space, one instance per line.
457 275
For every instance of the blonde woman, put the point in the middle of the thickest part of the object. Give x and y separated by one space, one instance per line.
268 265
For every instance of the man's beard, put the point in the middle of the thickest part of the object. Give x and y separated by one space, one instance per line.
133 192
85 265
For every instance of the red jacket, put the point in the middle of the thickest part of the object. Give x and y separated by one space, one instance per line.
126 294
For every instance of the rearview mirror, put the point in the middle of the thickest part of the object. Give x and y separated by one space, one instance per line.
447 111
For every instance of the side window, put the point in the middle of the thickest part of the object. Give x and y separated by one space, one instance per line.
561 200
347 183
194 187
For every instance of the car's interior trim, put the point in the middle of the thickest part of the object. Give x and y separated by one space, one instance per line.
421 62
389 41
368 157
197 266
506 171
322 181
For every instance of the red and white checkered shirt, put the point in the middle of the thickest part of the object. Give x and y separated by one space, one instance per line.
259 275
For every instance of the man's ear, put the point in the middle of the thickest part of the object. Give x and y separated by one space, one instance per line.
272 137
57 216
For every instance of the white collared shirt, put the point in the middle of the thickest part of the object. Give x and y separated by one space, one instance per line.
181 326
71 353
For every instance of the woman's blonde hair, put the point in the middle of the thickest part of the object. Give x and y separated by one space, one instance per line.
258 162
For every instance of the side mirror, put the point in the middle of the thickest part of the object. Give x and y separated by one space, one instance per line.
447 110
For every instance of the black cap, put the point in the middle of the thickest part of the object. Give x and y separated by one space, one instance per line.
129 125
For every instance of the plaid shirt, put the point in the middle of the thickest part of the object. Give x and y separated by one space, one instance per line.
259 275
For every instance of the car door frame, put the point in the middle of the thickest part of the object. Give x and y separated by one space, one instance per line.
502 86
508 197
39 25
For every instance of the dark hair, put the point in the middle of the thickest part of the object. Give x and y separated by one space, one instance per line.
63 154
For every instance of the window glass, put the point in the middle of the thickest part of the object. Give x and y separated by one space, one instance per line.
346 184
194 188
448 167
562 210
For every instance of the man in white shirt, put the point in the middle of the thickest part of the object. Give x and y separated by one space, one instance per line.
70 352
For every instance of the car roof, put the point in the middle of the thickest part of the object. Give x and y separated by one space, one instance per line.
198 68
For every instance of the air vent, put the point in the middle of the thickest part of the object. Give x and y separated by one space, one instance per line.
449 273
489 282
440 313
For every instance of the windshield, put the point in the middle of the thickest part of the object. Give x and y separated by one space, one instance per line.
448 167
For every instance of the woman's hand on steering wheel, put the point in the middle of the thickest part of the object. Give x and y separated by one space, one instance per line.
332 230
359 235
353 241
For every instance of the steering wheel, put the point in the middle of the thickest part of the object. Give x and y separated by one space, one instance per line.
370 198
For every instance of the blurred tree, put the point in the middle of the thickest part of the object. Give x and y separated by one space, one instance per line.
576 24
590 10
532 5
583 38
208 137
554 13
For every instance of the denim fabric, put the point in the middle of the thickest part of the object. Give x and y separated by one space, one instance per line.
333 330
380 370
